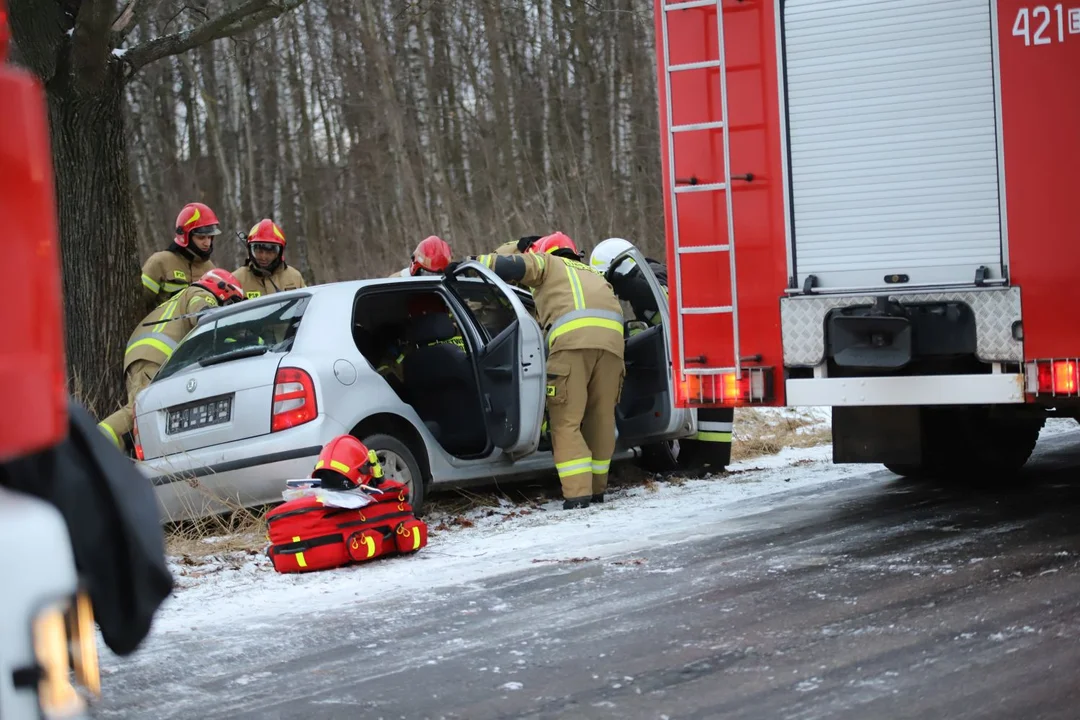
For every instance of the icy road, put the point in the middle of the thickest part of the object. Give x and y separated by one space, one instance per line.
793 590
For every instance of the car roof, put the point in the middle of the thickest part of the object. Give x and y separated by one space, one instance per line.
340 289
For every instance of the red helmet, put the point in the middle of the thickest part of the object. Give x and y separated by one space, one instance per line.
195 219
554 241
223 284
266 232
432 254
346 463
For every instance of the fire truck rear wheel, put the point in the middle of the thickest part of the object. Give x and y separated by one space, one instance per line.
906 470
972 445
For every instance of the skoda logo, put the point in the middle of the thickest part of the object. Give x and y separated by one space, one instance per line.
192 384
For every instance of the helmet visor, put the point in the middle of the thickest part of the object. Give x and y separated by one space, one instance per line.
207 230
265 247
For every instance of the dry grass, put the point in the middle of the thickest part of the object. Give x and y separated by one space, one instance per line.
237 530
765 432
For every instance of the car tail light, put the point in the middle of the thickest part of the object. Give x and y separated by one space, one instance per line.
294 399
135 435
1053 377
726 389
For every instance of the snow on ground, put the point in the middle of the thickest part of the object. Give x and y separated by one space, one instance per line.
233 589
492 541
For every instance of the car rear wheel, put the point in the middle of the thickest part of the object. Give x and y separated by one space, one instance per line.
399 463
661 456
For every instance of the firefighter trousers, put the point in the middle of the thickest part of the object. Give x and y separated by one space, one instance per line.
583 388
120 423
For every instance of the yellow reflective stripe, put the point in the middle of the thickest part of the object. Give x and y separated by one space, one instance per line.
569 468
541 261
600 467
575 288
151 342
150 284
319 464
166 315
415 538
713 437
486 260
369 543
110 433
584 323
173 286
339 466
299 556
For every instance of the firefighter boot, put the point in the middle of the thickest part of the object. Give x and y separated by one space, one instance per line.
576 503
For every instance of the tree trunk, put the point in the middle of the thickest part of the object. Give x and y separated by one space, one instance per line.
97 231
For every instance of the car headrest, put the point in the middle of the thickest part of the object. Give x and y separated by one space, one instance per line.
431 328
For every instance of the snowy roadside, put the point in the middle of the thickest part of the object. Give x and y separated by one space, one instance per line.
230 589
485 541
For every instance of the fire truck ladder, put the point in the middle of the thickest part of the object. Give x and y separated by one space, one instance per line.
724 187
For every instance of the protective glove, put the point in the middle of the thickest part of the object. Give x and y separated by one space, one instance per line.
452 266
526 242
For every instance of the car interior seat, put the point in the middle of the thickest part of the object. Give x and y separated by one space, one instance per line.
441 385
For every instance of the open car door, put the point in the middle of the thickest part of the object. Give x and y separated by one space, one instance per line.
511 362
646 411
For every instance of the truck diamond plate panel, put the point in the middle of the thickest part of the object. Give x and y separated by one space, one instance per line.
802 321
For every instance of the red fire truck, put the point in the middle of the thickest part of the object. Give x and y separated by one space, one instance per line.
874 205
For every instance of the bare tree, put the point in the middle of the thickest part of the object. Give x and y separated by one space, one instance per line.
76 48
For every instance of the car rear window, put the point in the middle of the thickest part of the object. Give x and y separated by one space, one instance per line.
236 333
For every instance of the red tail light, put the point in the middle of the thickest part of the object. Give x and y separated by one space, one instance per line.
1053 377
294 399
135 435
725 389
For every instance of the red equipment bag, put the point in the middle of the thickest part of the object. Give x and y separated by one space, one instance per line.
306 535
411 535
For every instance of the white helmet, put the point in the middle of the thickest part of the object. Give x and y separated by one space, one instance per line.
608 250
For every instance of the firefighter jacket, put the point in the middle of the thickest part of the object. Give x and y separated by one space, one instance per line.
634 289
576 308
255 284
508 248
168 272
158 334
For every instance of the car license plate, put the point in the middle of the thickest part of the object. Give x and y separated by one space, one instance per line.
206 413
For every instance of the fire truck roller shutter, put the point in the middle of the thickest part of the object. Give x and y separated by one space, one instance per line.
893 139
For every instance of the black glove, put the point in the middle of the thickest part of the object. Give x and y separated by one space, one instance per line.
452 266
526 242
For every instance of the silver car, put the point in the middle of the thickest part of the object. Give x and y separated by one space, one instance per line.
253 393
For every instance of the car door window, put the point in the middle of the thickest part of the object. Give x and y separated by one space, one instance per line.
489 309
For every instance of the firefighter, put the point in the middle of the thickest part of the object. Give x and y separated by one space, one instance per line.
516 247
712 444
188 258
155 337
430 257
584 325
345 463
396 349
266 271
